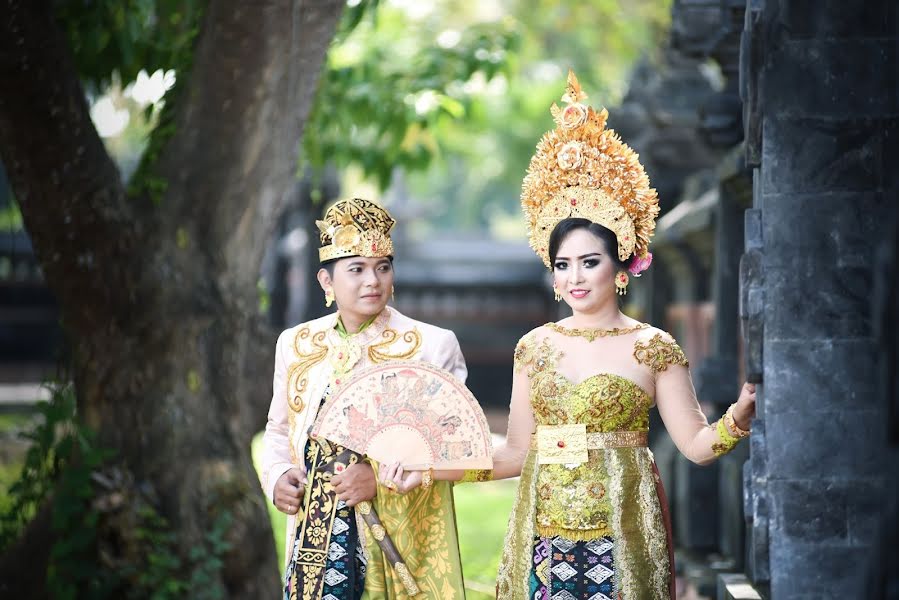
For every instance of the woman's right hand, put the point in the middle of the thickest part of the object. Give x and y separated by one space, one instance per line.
289 490
744 409
395 478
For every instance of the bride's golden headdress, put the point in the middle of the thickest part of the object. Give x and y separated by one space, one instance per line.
581 169
355 227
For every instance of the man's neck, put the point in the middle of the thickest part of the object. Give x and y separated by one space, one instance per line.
355 323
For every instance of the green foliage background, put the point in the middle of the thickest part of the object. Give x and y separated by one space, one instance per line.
452 94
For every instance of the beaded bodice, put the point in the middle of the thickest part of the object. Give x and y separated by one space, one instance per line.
573 499
604 401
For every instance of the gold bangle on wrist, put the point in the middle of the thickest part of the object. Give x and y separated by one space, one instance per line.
473 475
732 424
427 478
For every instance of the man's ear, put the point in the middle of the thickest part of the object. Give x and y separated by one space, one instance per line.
324 279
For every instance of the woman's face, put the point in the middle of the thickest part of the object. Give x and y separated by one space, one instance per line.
362 286
584 272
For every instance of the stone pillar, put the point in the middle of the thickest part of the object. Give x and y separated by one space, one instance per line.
734 198
707 505
822 127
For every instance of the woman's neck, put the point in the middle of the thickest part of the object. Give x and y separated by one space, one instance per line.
608 317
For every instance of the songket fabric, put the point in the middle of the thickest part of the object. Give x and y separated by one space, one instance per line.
590 518
329 554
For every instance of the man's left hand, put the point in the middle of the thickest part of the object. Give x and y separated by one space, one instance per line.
355 484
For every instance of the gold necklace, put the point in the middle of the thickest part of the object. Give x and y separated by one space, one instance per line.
592 334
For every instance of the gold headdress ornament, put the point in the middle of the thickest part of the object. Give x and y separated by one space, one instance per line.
355 227
581 169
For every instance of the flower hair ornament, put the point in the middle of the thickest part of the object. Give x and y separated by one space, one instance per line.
583 170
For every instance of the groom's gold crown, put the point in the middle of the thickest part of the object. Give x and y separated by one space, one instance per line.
355 227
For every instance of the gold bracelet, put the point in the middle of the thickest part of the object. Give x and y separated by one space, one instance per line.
473 475
427 478
732 424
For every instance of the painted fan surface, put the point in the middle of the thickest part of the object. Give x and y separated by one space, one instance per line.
411 412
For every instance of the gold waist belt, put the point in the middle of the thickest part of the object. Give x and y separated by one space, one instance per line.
567 444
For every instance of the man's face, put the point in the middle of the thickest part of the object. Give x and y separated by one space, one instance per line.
362 286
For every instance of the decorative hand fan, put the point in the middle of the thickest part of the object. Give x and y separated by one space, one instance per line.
411 412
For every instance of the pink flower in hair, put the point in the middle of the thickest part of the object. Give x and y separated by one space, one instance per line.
640 264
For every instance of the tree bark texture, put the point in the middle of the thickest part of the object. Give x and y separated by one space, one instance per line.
158 296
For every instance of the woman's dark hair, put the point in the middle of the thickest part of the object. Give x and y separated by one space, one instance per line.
566 226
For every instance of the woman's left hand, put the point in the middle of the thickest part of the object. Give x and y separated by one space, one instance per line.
395 478
744 409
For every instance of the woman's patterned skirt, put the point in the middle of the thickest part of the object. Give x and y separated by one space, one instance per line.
564 569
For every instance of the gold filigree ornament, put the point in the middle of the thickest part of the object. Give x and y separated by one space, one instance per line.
591 334
659 353
383 350
309 350
583 170
355 227
343 357
407 579
378 531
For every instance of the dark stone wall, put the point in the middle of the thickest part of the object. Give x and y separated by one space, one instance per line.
819 84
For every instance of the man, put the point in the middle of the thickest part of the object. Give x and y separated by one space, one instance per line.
328 556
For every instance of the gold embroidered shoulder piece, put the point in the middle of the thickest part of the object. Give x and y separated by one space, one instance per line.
535 355
309 350
382 351
658 353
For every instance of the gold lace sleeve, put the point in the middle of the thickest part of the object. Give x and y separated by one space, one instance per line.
658 353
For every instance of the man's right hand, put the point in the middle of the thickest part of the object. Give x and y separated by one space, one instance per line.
289 490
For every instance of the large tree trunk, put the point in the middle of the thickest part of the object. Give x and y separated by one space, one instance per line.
159 298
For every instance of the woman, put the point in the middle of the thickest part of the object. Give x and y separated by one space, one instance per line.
590 520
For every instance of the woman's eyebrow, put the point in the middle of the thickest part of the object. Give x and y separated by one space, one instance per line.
583 256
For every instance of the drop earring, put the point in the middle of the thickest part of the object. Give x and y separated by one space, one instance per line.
557 294
621 281
392 296
329 298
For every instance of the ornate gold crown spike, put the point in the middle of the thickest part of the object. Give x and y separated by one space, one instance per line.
355 227
581 169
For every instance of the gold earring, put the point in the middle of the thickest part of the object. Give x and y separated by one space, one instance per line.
329 298
392 290
557 294
621 281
